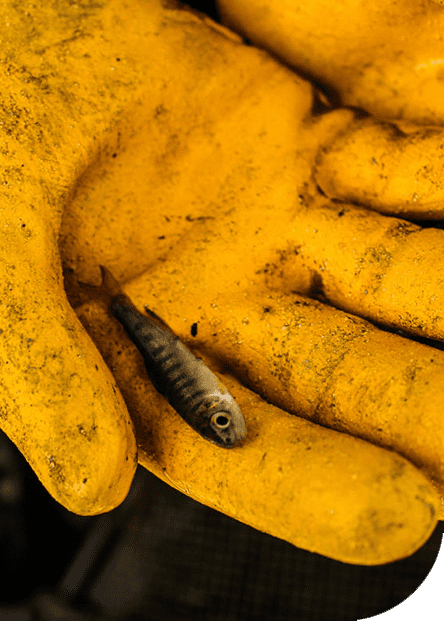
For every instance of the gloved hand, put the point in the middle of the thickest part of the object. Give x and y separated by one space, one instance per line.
156 143
384 57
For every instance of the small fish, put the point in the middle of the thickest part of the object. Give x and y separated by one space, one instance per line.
196 394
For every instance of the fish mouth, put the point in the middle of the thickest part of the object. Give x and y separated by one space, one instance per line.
240 436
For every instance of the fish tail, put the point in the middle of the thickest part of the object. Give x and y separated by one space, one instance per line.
108 289
110 285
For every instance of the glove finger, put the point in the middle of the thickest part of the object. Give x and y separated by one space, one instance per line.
381 268
58 401
382 57
379 166
335 369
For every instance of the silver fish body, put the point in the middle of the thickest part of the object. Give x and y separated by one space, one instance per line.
190 387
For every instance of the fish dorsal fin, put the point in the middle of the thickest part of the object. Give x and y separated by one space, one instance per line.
158 320
109 284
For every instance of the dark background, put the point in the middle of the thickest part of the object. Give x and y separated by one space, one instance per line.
208 7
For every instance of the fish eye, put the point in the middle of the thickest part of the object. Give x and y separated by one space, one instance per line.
221 420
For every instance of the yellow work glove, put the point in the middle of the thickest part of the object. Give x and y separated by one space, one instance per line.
146 138
384 57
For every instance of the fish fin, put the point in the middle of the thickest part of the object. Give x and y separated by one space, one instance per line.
108 289
160 321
